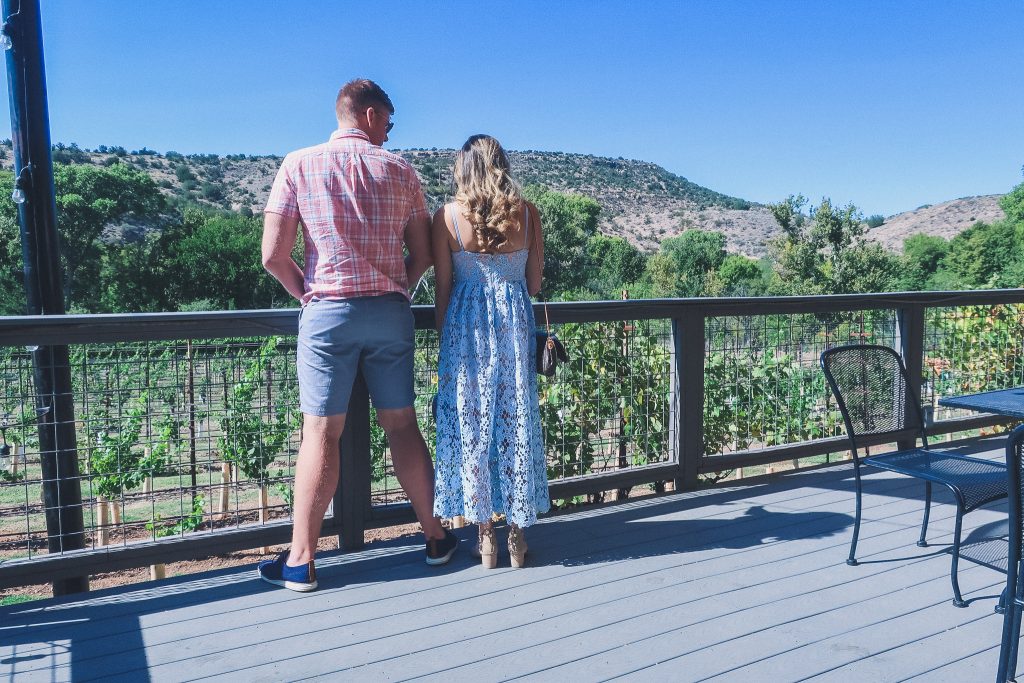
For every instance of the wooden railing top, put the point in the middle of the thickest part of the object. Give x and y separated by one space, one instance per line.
115 327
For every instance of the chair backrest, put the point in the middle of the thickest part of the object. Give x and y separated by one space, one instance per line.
873 391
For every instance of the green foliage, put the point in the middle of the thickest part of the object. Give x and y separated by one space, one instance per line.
922 255
251 438
215 258
789 214
742 276
874 221
616 370
1013 204
978 255
614 264
685 264
569 221
116 460
827 255
190 522
89 199
12 278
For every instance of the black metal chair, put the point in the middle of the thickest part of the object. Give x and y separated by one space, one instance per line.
1012 615
872 389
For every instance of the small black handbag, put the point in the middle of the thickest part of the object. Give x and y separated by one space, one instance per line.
549 348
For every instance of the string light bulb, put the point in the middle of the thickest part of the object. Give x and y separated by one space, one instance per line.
24 177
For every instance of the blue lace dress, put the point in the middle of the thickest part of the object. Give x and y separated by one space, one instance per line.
490 450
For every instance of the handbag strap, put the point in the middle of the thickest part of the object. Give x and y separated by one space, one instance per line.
547 320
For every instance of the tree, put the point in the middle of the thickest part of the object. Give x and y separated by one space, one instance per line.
12 276
685 263
827 255
977 255
569 221
1013 204
922 255
742 276
89 199
615 263
216 257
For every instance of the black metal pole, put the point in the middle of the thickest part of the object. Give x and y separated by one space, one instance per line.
37 214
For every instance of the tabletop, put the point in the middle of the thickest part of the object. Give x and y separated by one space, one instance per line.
1009 402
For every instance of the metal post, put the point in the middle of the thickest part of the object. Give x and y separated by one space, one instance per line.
688 333
910 344
37 215
352 497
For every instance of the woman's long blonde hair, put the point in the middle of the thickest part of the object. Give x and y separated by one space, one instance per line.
484 186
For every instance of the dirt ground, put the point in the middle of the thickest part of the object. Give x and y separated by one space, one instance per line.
240 558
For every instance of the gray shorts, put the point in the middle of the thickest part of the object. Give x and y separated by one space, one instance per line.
374 334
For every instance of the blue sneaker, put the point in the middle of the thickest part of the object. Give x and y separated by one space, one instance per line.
277 572
441 550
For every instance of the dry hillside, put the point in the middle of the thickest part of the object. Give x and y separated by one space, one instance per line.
947 219
640 201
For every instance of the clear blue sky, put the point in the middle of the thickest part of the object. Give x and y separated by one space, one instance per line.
889 104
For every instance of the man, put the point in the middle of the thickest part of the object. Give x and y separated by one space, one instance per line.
358 204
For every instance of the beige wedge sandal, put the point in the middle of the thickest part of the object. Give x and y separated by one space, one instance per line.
517 546
487 548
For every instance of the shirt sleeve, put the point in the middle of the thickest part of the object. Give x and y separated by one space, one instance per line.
417 201
283 199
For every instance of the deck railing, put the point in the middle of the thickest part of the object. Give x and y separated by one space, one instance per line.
187 423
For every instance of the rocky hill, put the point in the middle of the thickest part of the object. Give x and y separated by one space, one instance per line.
640 201
947 219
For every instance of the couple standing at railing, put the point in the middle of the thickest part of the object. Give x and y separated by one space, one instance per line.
358 205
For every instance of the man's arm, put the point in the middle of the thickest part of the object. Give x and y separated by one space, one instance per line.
417 241
278 239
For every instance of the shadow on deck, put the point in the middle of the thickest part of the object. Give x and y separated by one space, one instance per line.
729 584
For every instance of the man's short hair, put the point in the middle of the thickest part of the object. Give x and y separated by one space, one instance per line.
359 95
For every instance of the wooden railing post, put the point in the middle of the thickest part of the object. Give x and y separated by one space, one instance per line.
910 343
688 396
352 497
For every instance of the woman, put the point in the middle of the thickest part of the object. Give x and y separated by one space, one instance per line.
488 259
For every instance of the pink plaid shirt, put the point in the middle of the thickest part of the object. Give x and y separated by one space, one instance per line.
354 200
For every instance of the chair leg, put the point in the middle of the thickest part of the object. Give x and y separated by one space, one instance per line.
852 559
1011 624
1000 607
1011 660
921 542
958 599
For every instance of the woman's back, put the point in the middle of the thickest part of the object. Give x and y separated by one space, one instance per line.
473 266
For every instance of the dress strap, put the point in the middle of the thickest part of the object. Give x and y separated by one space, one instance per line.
458 235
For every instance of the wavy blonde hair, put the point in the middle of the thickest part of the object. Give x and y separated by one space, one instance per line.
484 185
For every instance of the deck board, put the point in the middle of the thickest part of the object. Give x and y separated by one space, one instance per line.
740 583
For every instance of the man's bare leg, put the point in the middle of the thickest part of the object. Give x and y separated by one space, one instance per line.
412 465
316 478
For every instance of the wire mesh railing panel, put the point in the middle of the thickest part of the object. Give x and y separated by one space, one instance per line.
384 486
763 385
609 407
172 438
968 349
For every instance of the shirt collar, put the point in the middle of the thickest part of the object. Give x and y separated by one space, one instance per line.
349 133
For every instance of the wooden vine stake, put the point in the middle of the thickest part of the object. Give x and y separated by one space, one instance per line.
225 491
264 505
103 532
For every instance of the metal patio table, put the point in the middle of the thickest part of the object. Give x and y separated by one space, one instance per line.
1009 402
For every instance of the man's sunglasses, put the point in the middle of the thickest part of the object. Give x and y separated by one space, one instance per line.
391 124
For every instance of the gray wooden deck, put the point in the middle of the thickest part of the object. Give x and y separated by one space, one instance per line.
733 584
